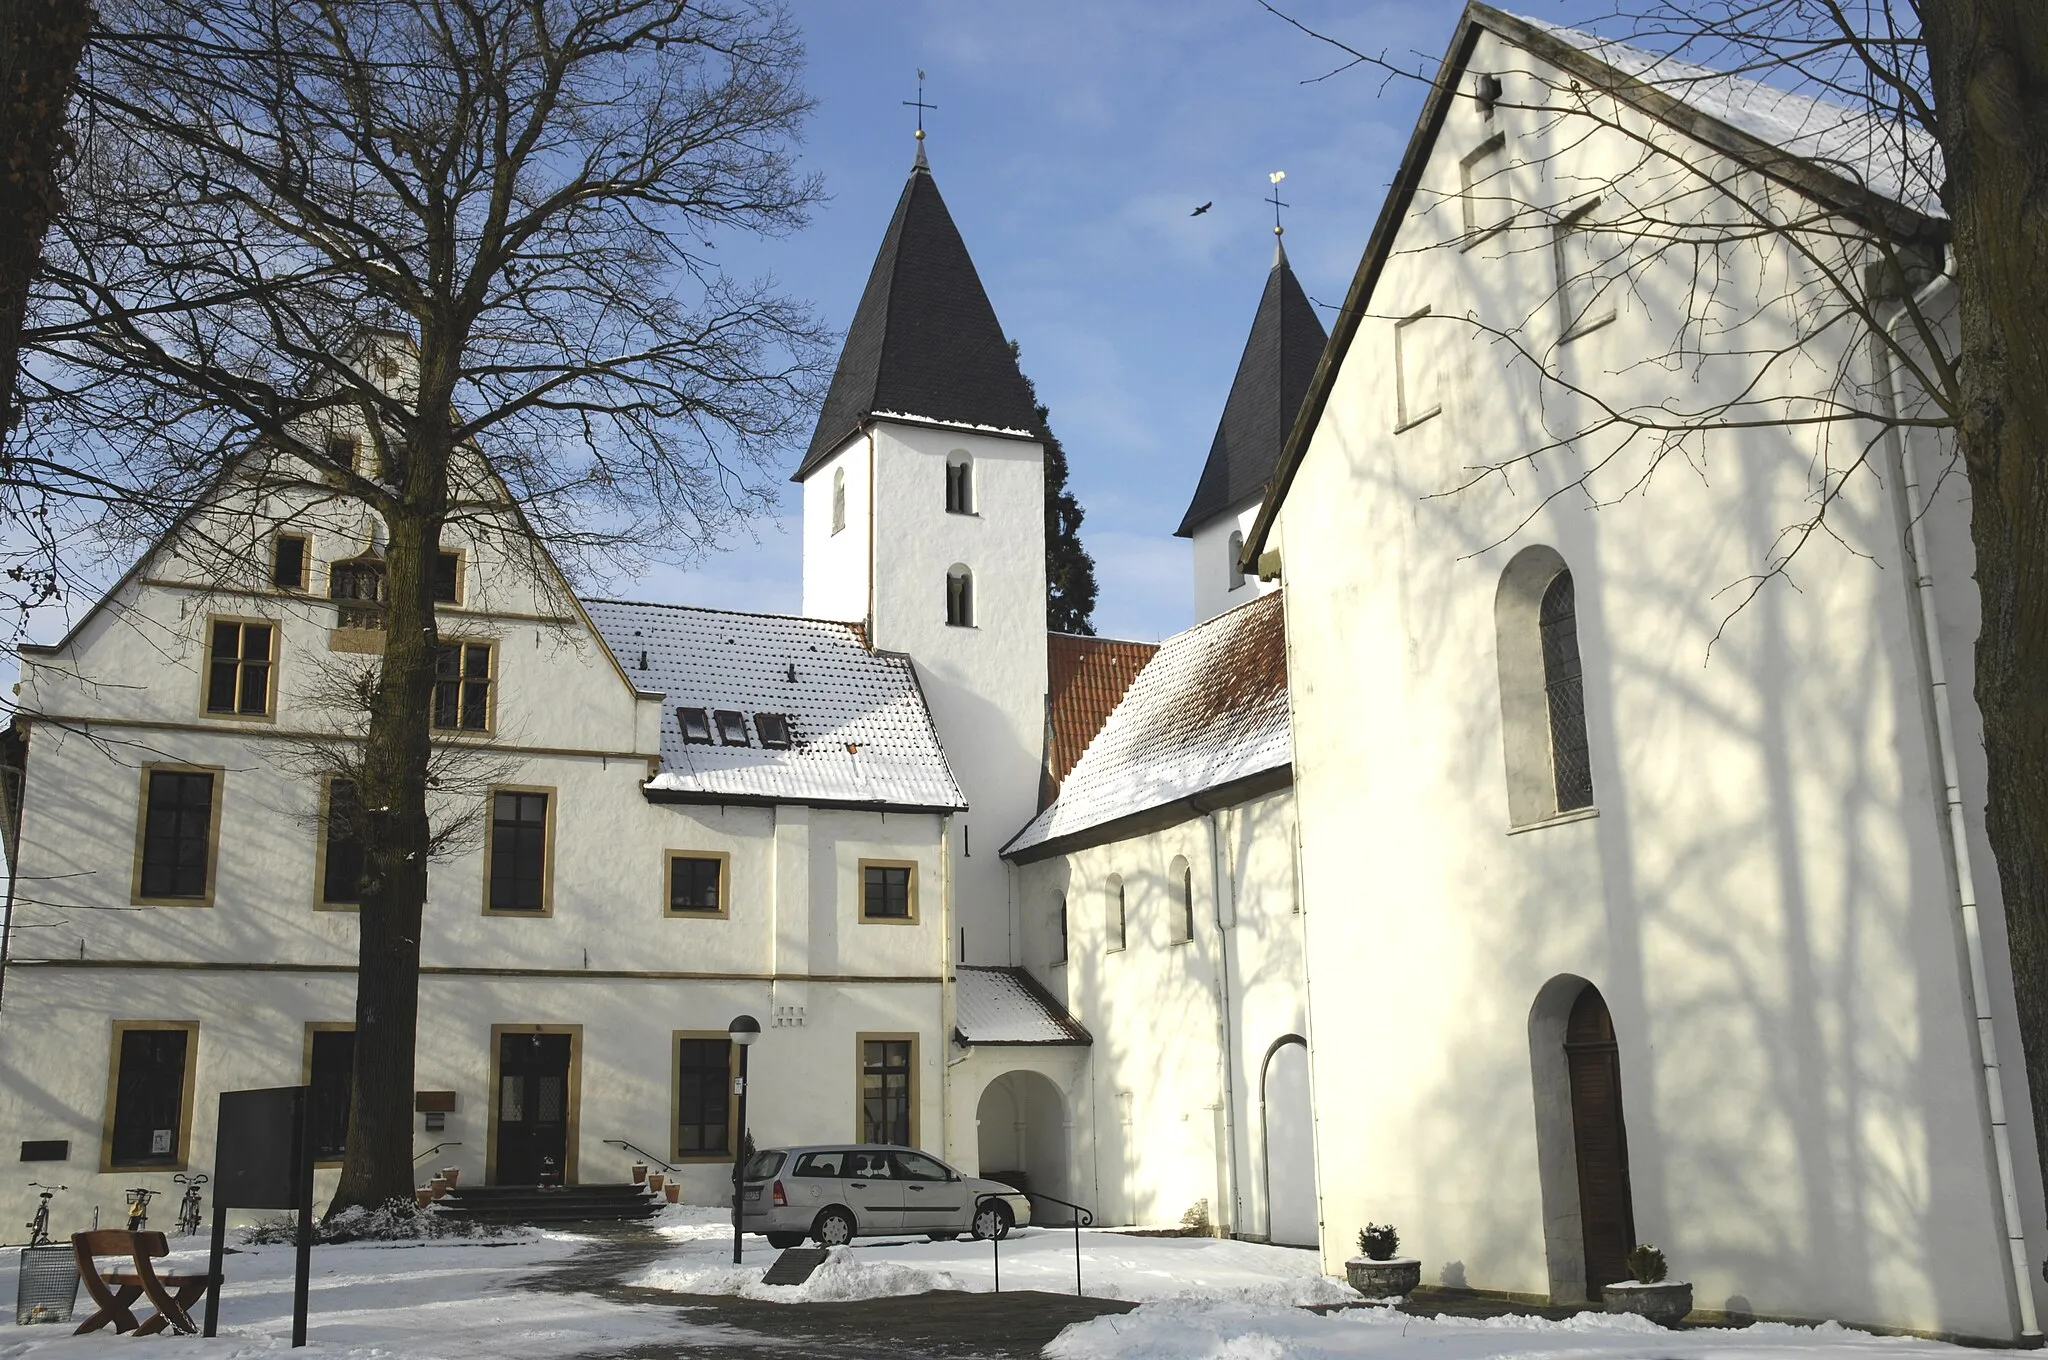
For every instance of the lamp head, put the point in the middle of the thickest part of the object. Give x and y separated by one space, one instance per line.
744 1030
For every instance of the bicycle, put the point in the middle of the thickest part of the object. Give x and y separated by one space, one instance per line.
138 1207
39 1226
188 1207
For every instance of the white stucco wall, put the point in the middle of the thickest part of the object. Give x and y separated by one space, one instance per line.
1761 895
836 565
1209 551
1155 1008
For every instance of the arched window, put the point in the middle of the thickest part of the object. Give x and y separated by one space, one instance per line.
1182 880
1542 689
1235 572
959 483
1059 922
838 499
959 596
1113 914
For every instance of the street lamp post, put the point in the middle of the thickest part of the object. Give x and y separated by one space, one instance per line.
743 1031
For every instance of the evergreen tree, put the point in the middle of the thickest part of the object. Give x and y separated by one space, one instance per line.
1069 570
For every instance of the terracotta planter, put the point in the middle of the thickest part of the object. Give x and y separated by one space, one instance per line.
674 1192
1383 1279
423 1197
451 1174
654 1181
639 1173
438 1186
1663 1303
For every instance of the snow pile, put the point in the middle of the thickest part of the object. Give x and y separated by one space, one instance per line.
1194 1330
1113 1266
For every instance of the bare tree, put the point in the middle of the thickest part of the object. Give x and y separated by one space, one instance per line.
450 259
1911 143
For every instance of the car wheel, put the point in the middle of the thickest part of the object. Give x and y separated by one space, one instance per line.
784 1241
942 1237
992 1220
834 1228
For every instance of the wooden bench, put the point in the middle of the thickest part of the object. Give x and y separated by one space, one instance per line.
114 1291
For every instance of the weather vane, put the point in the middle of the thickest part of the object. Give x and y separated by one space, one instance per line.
1274 179
919 104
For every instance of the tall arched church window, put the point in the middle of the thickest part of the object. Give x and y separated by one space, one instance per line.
960 597
1183 880
838 499
1542 689
1564 686
1235 571
959 483
1059 920
1113 923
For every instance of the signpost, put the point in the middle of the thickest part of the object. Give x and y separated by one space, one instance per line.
263 1159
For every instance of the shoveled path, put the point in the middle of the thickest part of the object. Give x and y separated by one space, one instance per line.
947 1324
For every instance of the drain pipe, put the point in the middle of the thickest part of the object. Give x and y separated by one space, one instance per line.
1218 878
1963 880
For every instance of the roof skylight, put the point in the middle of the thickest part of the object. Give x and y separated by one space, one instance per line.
773 729
696 725
732 727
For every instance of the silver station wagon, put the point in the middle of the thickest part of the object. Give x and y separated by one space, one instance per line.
833 1194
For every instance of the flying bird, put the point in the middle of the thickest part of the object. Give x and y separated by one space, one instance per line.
1204 208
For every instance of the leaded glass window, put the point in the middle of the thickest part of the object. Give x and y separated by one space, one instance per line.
1565 689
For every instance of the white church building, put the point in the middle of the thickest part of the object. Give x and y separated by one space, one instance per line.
1438 875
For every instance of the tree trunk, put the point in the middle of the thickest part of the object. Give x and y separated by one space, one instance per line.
377 1166
40 43
1989 63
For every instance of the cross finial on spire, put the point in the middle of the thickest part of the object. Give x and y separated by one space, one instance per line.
1274 179
919 104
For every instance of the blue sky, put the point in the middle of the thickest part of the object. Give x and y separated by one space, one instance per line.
1072 140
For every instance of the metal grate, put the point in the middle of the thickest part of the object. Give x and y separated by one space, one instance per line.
48 1288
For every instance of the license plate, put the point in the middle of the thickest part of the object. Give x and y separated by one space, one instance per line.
753 1192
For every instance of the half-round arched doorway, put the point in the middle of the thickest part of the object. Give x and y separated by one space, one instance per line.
1021 1133
1582 1139
1291 1217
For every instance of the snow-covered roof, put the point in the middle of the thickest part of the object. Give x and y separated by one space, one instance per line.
860 733
1007 1006
1887 157
1209 709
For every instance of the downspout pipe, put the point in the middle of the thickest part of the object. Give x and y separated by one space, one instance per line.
1219 879
1963 881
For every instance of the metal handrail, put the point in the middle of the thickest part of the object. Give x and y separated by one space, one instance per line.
434 1149
1084 1217
635 1147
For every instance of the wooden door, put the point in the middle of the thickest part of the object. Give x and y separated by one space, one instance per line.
533 1109
1600 1139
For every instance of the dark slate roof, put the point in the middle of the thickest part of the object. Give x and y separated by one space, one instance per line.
1274 375
924 341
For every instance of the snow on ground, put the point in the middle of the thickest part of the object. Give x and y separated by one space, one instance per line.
447 1299
1186 1330
1113 1266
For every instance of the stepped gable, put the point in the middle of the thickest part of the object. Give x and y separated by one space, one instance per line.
924 342
1007 1006
860 733
1086 679
1209 711
1273 375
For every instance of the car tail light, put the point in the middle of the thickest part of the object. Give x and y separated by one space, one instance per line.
781 1199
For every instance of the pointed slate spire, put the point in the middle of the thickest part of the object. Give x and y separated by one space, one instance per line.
924 341
1272 378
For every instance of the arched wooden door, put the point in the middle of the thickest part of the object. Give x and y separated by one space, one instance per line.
1600 1139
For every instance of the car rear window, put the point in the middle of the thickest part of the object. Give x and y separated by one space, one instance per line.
821 1164
762 1165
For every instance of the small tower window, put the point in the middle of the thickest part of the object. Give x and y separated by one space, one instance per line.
959 484
1233 569
960 597
838 499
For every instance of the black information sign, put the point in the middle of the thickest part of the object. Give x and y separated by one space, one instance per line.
263 1159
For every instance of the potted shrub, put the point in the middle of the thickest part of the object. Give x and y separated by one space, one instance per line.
639 1173
452 1175
654 1180
674 1192
1376 1271
1660 1300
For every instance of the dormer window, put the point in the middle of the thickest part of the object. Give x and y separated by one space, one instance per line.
959 484
696 725
773 729
732 727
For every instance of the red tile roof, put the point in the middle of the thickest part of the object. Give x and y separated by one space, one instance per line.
1086 678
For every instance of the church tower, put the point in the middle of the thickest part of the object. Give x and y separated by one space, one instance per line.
1273 377
924 518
